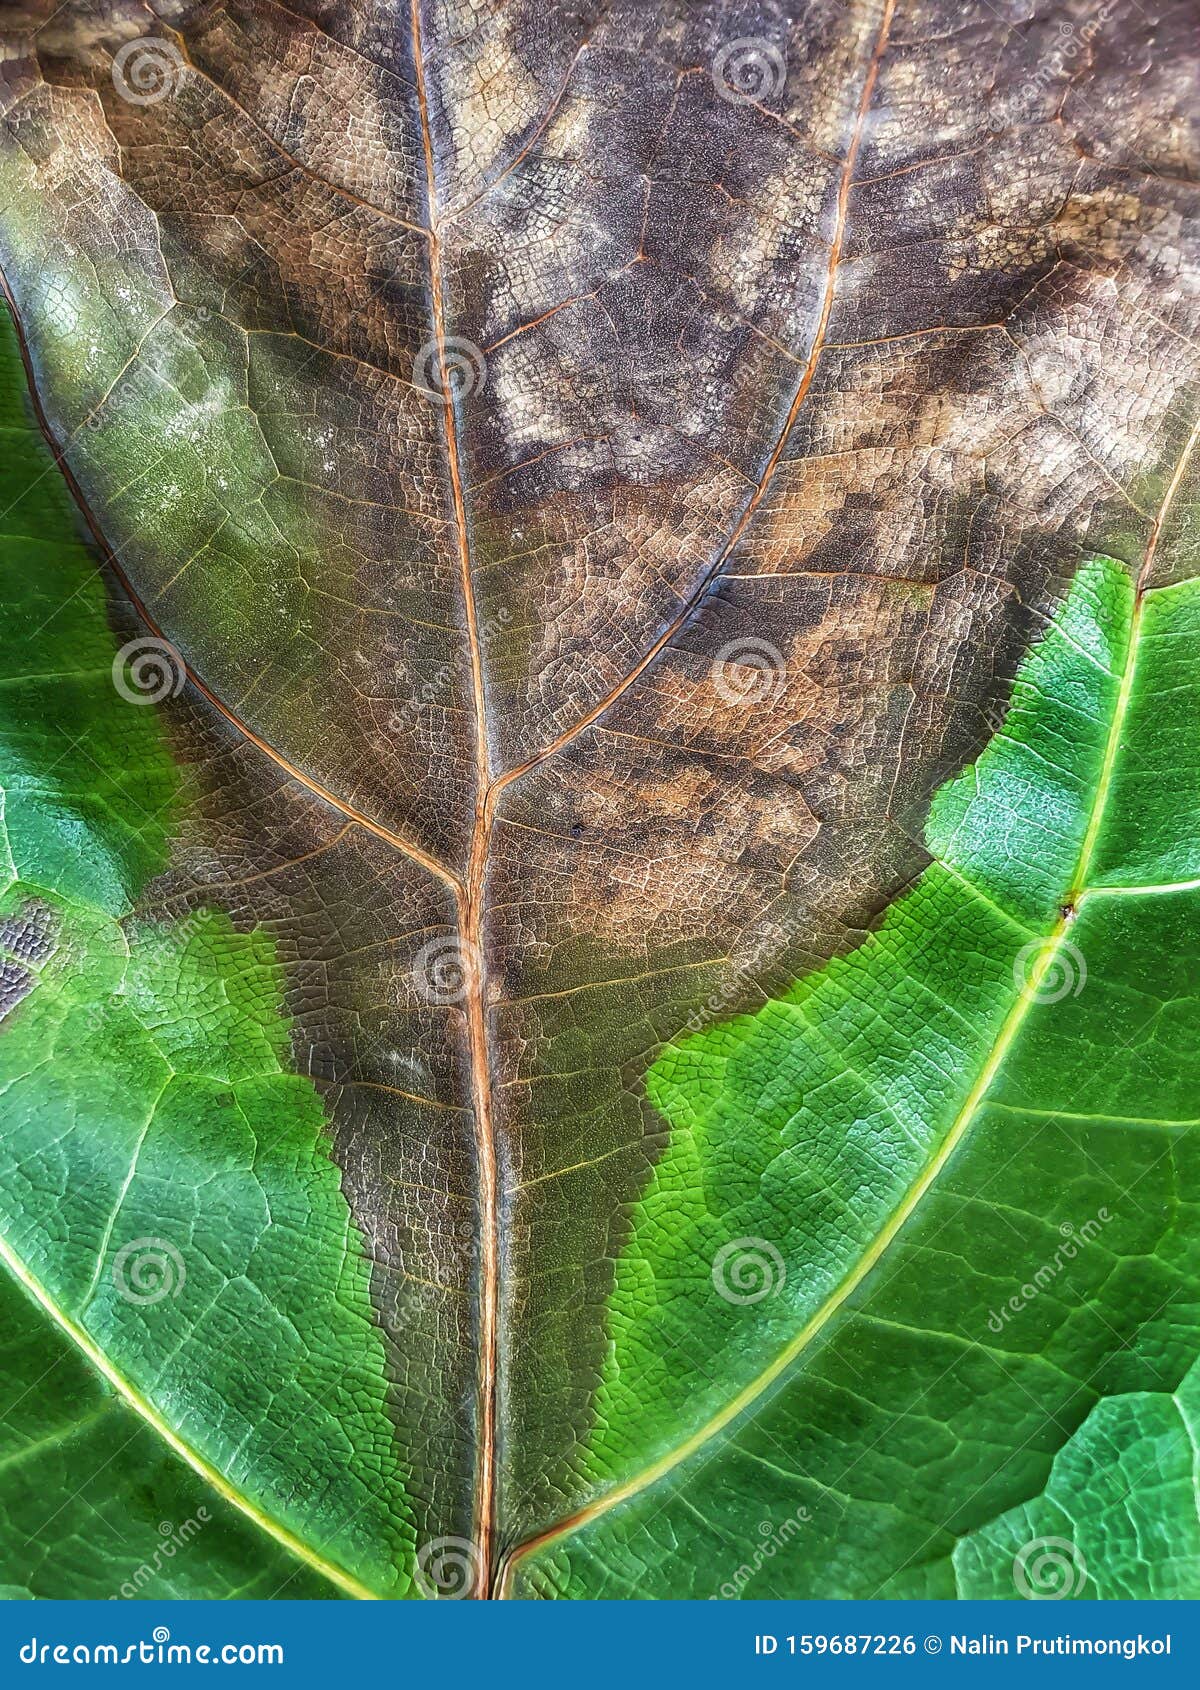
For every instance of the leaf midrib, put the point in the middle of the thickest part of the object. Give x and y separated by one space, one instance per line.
1053 944
469 894
468 889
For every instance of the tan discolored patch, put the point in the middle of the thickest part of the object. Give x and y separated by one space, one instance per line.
856 371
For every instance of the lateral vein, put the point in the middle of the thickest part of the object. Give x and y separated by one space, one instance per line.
197 1462
1005 1038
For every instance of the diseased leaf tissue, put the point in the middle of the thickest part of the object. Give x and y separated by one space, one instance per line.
599 985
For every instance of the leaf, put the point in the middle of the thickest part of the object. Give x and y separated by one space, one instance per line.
1002 1076
642 652
166 1185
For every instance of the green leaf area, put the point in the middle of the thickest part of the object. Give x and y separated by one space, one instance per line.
908 1307
914 1286
194 1397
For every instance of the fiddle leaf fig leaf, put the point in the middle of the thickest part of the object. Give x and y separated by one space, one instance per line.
167 1187
1000 1077
600 800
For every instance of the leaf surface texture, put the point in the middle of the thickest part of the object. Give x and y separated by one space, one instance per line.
710 791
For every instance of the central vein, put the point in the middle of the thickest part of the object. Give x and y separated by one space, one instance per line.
470 896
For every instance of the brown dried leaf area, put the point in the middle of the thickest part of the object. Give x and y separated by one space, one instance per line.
781 422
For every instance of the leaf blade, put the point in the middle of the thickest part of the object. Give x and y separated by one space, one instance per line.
1102 616
96 1038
